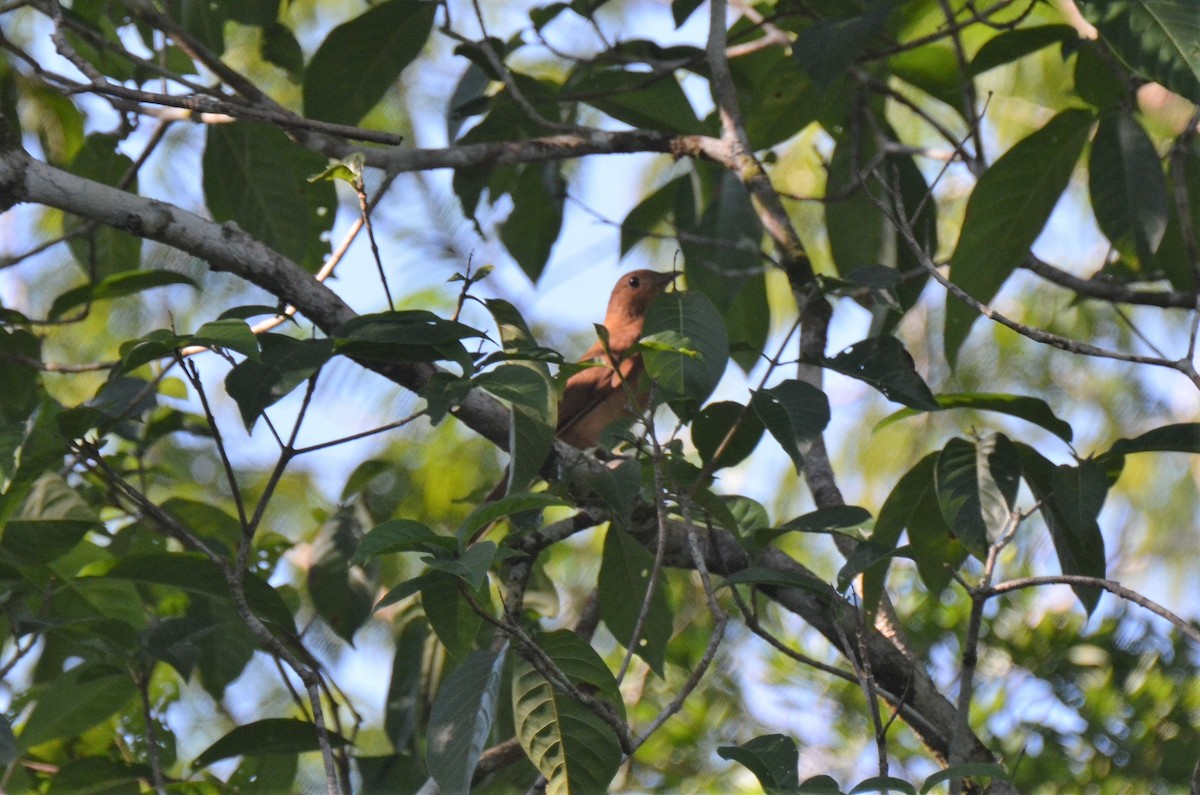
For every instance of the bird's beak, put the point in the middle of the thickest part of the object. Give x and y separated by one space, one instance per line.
665 279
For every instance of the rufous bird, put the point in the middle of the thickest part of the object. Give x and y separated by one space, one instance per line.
596 397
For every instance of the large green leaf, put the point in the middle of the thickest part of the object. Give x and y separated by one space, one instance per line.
402 711
640 99
1071 498
342 596
913 506
853 220
830 47
506 506
450 614
726 433
722 259
883 363
266 736
772 758
461 719
624 577
572 747
1180 438
257 177
115 286
1158 39
976 486
283 365
1128 187
53 519
75 701
1011 45
795 413
359 60
1006 212
527 387
532 228
1030 409
687 348
196 573
110 250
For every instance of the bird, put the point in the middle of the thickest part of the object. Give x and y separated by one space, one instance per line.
596 397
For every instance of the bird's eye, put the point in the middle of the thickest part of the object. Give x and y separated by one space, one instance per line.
635 282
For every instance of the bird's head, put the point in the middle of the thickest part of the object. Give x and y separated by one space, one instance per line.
634 292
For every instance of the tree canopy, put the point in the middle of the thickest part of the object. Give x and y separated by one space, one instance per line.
914 500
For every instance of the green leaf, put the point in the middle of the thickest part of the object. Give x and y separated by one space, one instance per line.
279 47
823 520
772 758
965 770
461 719
531 229
255 176
933 68
1158 39
8 742
866 555
74 701
401 535
685 321
1180 438
1012 45
649 215
530 393
776 579
726 433
624 577
1030 409
722 259
450 614
506 506
52 520
361 59
341 597
471 567
568 743
115 286
795 412
1128 188
232 334
854 222
197 574
977 488
1006 212
267 736
414 335
883 363
110 250
620 488
404 699
1071 499
883 784
830 47
283 365
639 99
913 506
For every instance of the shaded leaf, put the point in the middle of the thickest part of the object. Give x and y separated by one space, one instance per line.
75 701
795 412
772 758
1011 45
506 506
568 743
255 176
725 433
685 322
883 363
461 719
110 250
1158 39
977 487
401 535
828 48
450 614
267 736
1128 187
283 365
532 228
1006 212
115 286
1180 438
624 577
360 60
1030 409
